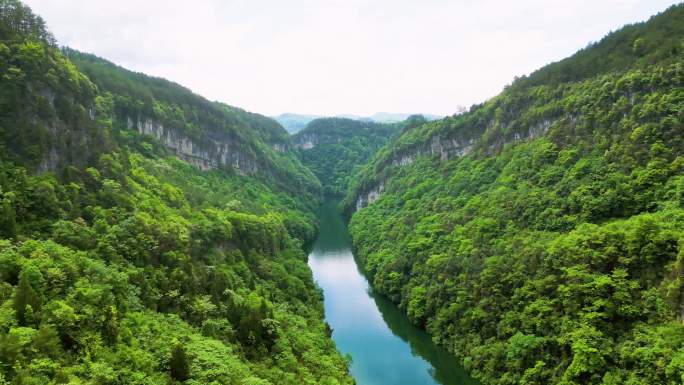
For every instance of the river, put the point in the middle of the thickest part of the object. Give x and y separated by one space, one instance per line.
386 349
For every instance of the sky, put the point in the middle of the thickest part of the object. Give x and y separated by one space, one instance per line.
333 57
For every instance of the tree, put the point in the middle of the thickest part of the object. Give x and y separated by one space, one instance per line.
47 341
26 301
179 365
8 225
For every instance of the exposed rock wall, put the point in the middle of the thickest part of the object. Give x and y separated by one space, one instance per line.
369 197
71 143
216 151
446 148
309 141
280 147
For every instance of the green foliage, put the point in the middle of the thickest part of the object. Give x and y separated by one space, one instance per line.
160 240
115 250
17 21
129 99
539 235
180 367
26 301
138 96
634 46
608 74
340 147
45 103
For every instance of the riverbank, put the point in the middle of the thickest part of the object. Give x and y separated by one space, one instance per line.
386 349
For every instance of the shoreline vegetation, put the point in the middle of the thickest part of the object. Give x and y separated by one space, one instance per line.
151 236
551 251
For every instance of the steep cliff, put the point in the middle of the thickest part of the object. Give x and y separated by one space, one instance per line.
539 236
209 135
451 137
333 148
530 106
147 235
47 107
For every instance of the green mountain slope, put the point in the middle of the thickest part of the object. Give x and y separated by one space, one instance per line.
207 134
539 235
147 235
294 123
334 148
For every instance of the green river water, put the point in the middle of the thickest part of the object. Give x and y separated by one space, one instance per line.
385 347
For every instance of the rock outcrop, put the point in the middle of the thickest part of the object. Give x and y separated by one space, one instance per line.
309 141
446 147
214 151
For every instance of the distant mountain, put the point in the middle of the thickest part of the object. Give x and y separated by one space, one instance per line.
294 123
333 147
354 117
393 117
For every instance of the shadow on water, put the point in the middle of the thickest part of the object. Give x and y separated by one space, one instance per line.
446 369
333 234
385 347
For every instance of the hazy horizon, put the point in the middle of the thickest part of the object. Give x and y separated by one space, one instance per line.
339 57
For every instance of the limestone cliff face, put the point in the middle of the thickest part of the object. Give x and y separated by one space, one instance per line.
309 141
280 147
215 151
64 142
58 124
445 147
369 197
73 144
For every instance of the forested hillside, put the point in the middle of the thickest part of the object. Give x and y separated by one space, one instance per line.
151 236
334 149
147 235
540 235
206 134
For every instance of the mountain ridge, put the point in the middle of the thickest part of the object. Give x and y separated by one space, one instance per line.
148 234
534 234
452 136
294 123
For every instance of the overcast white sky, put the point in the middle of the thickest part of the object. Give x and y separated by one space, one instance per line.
338 56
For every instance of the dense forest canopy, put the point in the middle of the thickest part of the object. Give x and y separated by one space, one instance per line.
336 148
120 263
138 98
658 43
171 102
641 45
17 21
151 236
539 235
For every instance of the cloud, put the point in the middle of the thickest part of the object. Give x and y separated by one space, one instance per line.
334 56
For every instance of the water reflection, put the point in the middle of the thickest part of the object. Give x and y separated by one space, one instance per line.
385 347
447 369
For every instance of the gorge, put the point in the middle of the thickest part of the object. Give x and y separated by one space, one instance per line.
149 235
385 347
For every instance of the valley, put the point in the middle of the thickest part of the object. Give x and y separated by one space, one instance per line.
149 235
386 348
